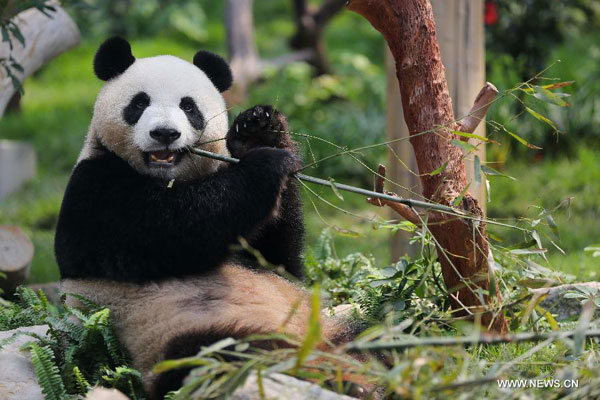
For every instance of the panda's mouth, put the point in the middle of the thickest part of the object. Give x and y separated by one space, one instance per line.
162 158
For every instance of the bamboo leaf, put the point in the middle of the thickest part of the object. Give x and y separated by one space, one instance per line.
474 136
552 225
521 140
528 251
537 283
5 35
491 276
489 171
551 86
541 118
345 232
466 147
477 171
335 189
459 198
547 96
439 170
551 321
17 34
168 365
313 334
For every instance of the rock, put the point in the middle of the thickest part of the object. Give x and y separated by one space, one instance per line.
284 387
17 377
564 308
100 393
16 253
17 164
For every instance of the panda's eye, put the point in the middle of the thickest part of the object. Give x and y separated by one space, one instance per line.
141 104
187 105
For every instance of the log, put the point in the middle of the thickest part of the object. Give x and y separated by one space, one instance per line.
16 254
409 29
45 38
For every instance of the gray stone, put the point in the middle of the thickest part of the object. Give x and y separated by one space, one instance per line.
17 165
17 376
284 387
100 393
564 308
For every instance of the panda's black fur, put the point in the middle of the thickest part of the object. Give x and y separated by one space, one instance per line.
154 245
105 230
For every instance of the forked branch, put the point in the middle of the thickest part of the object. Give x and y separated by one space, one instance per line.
483 101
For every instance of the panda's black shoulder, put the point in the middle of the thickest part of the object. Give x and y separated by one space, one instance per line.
108 165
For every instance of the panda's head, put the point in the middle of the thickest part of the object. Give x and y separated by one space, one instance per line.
152 109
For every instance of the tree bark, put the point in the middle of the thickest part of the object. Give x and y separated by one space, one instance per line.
408 27
45 38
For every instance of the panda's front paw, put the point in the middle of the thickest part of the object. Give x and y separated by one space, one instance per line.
259 126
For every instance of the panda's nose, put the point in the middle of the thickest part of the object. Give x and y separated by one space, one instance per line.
165 135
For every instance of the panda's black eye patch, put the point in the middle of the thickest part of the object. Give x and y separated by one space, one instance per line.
189 107
134 110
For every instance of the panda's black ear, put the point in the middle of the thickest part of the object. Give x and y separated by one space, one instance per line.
216 68
113 58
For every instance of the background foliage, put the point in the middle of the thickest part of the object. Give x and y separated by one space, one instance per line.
348 255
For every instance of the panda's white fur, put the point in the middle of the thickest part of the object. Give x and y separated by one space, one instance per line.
230 299
166 79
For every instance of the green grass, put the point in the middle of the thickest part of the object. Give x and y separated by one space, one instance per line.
545 185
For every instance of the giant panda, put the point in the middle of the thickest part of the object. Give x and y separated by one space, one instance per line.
147 229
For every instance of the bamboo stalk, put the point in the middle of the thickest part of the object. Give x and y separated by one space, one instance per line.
352 189
471 340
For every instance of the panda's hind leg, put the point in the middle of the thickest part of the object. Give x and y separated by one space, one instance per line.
181 346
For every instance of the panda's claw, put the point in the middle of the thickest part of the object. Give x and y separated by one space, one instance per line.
261 126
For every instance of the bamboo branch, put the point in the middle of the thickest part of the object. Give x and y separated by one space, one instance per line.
471 340
483 101
352 189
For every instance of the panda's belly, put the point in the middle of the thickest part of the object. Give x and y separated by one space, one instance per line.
232 299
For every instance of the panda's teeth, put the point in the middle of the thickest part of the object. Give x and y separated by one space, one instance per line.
153 157
171 158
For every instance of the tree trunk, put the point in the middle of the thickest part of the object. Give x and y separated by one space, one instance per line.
409 29
243 55
309 31
45 38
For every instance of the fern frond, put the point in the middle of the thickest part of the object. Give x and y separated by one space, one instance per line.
47 372
89 306
97 319
83 385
